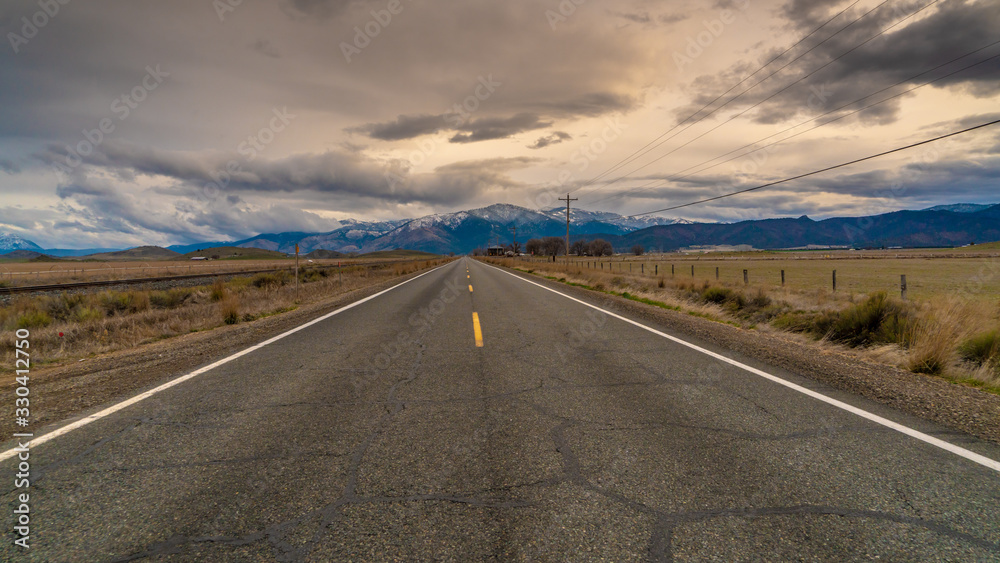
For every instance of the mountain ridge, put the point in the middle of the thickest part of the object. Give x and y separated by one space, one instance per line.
463 231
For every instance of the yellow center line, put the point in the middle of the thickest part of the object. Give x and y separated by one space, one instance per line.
470 289
477 329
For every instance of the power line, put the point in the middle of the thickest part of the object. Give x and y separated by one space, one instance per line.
842 55
680 174
827 169
629 158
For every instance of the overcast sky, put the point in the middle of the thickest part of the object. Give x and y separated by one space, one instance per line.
126 122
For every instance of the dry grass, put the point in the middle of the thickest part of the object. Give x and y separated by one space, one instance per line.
96 323
955 335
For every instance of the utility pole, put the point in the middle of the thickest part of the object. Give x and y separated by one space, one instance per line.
567 200
296 271
514 230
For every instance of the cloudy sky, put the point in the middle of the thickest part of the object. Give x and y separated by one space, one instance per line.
127 122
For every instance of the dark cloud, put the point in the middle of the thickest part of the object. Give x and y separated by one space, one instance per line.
940 34
333 172
9 166
587 105
553 138
403 127
489 128
318 8
667 19
634 17
486 129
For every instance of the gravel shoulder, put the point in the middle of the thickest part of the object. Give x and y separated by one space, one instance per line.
961 408
67 391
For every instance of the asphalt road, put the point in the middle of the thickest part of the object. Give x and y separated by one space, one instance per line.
394 431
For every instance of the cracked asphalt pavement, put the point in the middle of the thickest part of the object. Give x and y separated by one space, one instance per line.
384 433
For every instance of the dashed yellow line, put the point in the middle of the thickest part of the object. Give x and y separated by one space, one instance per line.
477 329
470 289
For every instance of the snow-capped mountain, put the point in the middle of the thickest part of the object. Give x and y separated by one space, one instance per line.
10 242
463 231
460 231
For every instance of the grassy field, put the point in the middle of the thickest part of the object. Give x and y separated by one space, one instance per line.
926 278
32 273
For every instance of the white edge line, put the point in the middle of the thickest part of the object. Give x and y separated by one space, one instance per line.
145 395
969 455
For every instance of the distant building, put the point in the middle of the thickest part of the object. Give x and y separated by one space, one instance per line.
198 258
716 248
496 251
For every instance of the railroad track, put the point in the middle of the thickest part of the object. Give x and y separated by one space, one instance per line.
133 281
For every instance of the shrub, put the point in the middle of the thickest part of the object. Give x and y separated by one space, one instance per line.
34 319
717 295
114 302
218 292
117 302
661 283
877 320
982 348
269 280
62 307
138 301
932 354
169 299
86 314
230 310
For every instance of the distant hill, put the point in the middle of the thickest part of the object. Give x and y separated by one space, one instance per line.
235 253
78 252
961 207
23 255
138 253
907 229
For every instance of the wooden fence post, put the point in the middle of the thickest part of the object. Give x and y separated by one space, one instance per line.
835 280
902 286
782 278
746 278
716 273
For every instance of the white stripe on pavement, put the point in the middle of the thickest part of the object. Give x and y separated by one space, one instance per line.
129 402
969 455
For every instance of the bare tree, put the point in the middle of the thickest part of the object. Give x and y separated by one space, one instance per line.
534 246
638 250
579 248
601 247
554 246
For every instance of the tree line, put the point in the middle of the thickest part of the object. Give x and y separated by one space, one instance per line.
555 246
